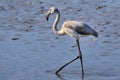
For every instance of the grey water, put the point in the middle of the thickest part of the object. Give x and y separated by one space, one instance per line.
29 50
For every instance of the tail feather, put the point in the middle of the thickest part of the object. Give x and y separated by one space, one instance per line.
95 34
91 31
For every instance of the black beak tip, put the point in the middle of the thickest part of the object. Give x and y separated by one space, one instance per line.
47 18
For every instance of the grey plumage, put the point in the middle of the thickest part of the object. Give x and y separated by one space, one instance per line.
80 28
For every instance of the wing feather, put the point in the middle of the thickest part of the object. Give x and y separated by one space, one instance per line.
84 29
80 28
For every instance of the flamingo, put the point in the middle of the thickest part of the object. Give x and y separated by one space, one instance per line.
74 29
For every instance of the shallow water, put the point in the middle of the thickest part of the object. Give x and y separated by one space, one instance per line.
29 50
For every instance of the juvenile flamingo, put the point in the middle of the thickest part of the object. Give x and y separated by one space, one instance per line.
72 28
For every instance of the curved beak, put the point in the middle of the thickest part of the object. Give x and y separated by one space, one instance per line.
47 15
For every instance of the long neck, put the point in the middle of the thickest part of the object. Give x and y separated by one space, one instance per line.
56 31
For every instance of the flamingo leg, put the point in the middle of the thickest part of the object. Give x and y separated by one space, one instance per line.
66 65
80 56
